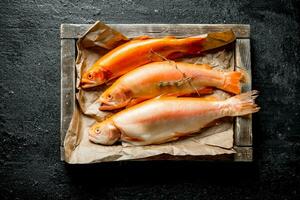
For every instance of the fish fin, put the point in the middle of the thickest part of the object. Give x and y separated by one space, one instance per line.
243 104
205 66
174 94
165 140
131 139
171 139
218 39
213 123
205 90
232 82
135 101
194 45
178 135
142 37
201 91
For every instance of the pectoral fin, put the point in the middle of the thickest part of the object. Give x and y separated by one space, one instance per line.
176 136
213 123
125 137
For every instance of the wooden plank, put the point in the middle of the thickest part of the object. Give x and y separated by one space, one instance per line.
243 154
67 86
62 153
243 125
159 30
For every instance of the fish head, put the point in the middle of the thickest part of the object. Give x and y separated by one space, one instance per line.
115 97
105 133
92 78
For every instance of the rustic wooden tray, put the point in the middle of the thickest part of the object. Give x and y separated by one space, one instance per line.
242 126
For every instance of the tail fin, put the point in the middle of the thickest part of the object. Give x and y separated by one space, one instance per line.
194 46
232 82
243 104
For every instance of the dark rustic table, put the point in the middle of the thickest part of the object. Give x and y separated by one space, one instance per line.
30 165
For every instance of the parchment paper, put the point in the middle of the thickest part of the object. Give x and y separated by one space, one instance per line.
97 41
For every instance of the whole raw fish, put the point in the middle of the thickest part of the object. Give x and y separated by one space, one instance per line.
167 119
167 78
143 50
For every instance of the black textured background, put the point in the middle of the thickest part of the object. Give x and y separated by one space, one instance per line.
30 105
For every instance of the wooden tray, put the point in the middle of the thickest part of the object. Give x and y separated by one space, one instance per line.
69 33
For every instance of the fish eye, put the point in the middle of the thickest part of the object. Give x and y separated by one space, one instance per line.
109 96
97 130
90 76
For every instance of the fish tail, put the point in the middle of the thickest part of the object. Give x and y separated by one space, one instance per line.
243 104
232 82
194 45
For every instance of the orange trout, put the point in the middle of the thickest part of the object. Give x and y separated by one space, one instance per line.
168 79
143 50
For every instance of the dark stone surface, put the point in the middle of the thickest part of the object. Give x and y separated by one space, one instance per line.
30 105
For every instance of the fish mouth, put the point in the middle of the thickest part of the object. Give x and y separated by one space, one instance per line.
103 140
94 139
86 83
104 101
92 135
112 106
105 106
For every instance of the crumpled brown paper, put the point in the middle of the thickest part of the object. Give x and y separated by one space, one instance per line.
97 41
